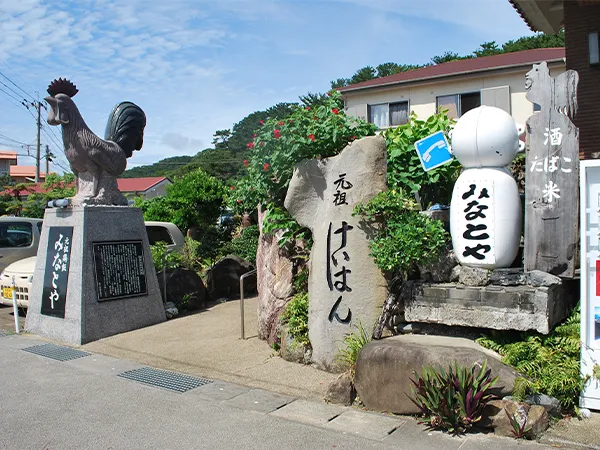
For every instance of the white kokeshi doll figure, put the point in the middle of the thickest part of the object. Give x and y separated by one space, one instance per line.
485 213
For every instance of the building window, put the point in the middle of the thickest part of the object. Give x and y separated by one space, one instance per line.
388 114
594 48
458 104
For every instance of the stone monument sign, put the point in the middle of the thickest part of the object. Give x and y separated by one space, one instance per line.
346 288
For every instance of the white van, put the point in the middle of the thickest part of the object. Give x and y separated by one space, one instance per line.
23 270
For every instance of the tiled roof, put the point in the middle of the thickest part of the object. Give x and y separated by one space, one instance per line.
138 184
5 154
24 171
464 66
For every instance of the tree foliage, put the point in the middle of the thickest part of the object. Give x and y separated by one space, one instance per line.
539 40
195 199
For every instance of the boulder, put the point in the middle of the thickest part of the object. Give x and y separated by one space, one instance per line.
474 276
341 390
275 273
439 270
550 404
542 279
508 277
223 278
185 289
497 415
384 368
291 351
171 310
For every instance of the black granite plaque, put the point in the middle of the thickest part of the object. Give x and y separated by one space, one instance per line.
119 268
56 271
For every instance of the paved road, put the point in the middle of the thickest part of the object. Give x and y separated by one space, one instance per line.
84 404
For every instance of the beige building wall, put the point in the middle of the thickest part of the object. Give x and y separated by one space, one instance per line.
422 95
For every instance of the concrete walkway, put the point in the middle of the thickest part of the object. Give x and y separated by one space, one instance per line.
249 375
208 344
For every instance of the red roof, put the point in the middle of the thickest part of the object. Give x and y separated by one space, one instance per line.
465 66
24 171
5 154
138 184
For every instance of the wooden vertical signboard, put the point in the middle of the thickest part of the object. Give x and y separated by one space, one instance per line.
551 180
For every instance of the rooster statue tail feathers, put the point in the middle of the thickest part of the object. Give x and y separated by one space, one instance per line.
125 127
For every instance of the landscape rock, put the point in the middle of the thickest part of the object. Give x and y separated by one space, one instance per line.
384 368
508 277
346 288
550 404
474 276
223 278
439 270
497 415
455 274
275 272
542 279
341 390
290 350
185 289
171 310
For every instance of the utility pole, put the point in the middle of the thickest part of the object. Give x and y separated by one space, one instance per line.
38 106
47 160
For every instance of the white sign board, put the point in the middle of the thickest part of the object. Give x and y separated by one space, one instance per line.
590 281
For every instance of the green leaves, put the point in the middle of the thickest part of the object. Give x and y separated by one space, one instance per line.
404 236
295 318
551 363
452 400
404 167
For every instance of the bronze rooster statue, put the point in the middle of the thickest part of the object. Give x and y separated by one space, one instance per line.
95 162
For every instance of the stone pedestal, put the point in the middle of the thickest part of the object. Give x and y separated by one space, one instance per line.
94 275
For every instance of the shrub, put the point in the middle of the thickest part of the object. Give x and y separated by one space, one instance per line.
452 400
406 236
551 363
295 318
353 344
246 245
405 171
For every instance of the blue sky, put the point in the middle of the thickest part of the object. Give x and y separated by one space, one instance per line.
196 66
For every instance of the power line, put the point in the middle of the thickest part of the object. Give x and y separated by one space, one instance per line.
3 136
15 101
17 86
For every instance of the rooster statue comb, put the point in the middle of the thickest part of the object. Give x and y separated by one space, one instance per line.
96 163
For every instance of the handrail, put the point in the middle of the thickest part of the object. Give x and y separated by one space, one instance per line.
247 274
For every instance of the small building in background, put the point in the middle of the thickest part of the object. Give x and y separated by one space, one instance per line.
146 187
457 86
19 174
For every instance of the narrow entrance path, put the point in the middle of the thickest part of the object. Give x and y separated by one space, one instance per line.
208 344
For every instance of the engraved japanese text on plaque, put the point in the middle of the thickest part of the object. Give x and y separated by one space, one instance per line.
119 268
56 271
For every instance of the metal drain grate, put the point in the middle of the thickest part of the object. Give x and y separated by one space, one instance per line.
56 352
165 379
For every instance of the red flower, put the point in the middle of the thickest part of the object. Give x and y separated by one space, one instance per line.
311 137
353 137
250 145
329 94
291 120
308 108
254 135
246 162
262 122
266 166
281 122
232 188
335 110
239 201
276 133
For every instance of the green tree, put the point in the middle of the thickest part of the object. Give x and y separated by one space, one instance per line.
340 82
447 57
539 40
193 200
365 74
488 49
